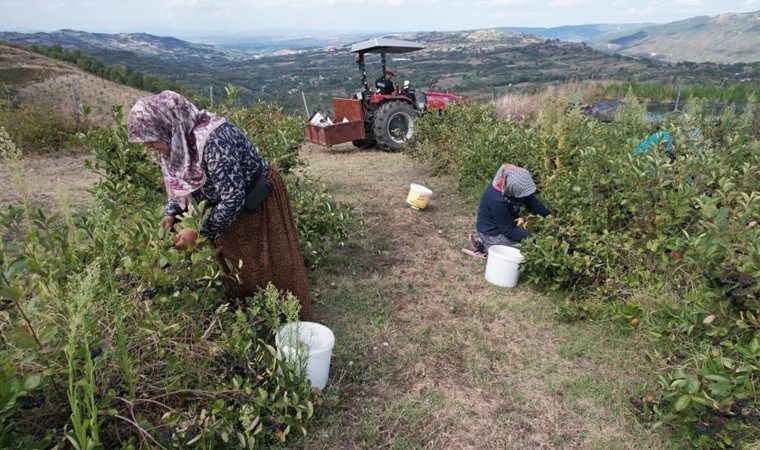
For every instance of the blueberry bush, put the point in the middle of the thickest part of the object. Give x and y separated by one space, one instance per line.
667 245
112 338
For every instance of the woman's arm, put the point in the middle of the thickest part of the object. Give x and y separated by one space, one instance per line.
535 206
172 208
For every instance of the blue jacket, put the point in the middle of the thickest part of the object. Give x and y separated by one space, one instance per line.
497 214
654 141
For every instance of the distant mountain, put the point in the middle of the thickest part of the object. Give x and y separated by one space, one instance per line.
576 33
267 43
726 38
140 44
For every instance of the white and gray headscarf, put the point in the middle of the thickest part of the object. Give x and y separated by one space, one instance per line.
514 181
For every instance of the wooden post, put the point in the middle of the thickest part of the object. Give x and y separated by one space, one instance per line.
304 104
75 105
678 97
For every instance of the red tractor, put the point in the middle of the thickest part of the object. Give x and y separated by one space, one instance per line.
370 118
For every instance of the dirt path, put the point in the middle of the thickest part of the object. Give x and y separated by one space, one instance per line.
430 355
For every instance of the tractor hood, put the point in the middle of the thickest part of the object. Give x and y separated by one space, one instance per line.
386 46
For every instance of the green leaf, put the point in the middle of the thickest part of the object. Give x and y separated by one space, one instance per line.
16 267
715 377
721 389
11 292
682 402
692 386
23 339
32 381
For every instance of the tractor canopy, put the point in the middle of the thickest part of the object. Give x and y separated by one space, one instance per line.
386 46
381 46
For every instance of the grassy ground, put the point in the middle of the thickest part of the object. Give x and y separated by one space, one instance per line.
430 355
45 180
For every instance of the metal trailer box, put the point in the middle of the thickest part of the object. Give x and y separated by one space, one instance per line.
344 108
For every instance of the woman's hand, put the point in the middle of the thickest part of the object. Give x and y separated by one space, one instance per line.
185 238
167 222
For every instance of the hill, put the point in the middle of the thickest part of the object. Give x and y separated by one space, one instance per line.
575 33
33 78
140 44
726 38
479 64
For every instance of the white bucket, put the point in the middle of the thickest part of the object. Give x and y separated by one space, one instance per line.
418 197
502 267
307 345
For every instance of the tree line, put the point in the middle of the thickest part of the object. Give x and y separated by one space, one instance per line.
112 72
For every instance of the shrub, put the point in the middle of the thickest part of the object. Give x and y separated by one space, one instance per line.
113 338
640 240
38 129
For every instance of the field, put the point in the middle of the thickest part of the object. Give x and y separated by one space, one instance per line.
36 79
428 354
634 324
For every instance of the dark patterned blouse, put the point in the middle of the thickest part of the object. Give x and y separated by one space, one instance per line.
230 162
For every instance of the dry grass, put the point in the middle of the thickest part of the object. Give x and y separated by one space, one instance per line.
429 355
47 179
517 105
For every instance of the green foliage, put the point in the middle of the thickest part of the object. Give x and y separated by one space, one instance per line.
117 73
321 223
130 172
8 149
114 338
278 136
643 240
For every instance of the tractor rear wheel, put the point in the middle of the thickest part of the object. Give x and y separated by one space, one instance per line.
394 125
364 144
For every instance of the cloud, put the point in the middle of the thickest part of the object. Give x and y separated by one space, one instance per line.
180 4
312 4
503 2
688 2
567 2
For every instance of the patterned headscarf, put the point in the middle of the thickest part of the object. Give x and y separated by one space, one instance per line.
513 181
170 118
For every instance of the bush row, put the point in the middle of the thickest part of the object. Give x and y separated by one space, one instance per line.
640 238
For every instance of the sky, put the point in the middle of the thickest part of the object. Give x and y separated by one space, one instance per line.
251 17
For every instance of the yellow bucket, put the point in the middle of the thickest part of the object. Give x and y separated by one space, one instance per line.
418 197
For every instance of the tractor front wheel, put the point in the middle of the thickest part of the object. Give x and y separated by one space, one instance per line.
394 125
